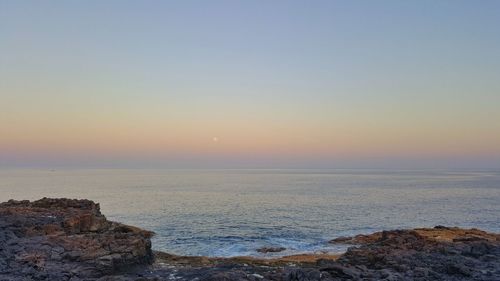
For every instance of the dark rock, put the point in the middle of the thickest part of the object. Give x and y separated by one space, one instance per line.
299 274
338 270
67 237
424 254
270 249
341 239
441 227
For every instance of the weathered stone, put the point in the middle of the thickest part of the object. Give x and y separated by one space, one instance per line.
52 236
299 274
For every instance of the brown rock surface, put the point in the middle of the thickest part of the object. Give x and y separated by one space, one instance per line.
438 233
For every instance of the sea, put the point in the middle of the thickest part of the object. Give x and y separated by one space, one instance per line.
228 213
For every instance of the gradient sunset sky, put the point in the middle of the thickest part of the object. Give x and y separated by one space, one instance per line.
250 84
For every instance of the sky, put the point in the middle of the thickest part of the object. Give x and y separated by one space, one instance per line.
250 84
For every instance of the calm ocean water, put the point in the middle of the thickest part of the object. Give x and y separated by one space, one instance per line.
234 212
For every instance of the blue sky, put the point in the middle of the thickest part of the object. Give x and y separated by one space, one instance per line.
278 83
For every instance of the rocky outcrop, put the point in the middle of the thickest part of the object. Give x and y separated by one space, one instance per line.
438 233
62 239
439 253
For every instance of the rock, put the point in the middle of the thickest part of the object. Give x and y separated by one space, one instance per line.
441 227
358 239
270 249
338 270
300 274
67 237
341 239
440 253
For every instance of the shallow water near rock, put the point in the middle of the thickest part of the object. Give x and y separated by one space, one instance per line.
236 212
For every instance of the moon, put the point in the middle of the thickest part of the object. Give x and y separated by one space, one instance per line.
215 139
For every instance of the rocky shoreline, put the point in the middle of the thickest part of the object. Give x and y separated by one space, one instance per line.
68 239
